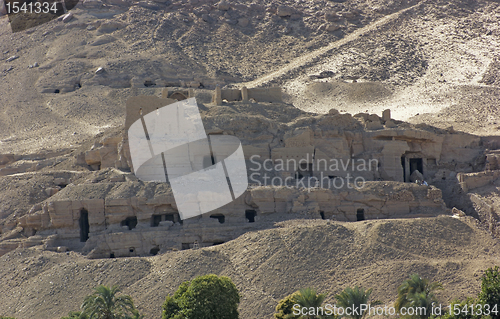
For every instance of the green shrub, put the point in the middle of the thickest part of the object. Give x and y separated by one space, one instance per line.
284 309
461 305
206 297
490 291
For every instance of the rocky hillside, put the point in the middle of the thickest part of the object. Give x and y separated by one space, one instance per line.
265 266
412 56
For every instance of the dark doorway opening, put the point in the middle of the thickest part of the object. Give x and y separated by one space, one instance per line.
130 222
154 251
186 246
155 220
84 225
403 163
322 213
131 250
112 255
416 164
219 217
360 214
250 215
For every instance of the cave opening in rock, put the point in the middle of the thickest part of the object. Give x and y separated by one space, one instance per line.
84 225
360 214
130 222
221 218
250 215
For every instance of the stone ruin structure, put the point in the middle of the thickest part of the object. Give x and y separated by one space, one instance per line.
296 162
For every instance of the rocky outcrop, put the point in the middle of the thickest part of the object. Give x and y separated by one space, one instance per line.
135 218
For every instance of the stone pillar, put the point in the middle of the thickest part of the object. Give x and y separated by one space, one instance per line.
218 96
190 93
244 94
386 115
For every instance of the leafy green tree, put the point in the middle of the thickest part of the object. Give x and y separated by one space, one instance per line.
490 290
105 303
206 297
422 303
416 290
355 298
284 309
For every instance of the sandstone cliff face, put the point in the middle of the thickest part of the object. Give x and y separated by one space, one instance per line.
136 218
332 166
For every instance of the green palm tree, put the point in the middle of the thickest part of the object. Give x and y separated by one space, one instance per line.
416 290
308 298
105 304
354 298
422 303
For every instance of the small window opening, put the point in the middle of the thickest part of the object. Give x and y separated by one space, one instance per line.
155 220
131 250
221 218
250 215
360 214
130 222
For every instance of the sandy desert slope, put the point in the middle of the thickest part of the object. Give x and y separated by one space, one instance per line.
265 266
414 57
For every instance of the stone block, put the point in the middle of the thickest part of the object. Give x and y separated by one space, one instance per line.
108 155
272 95
386 115
92 157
